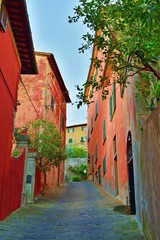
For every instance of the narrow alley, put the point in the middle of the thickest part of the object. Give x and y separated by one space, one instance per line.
77 210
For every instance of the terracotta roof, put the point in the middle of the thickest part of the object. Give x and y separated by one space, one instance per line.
18 16
77 125
57 73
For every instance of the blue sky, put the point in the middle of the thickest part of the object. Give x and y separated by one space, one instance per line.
51 32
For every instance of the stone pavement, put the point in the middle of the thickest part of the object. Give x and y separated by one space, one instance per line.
75 211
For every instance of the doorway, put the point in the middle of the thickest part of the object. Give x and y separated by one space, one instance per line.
116 176
130 174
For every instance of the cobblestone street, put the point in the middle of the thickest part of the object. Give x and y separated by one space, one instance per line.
75 211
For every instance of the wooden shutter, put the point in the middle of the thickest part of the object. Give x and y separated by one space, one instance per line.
113 96
104 165
104 130
92 162
110 106
99 175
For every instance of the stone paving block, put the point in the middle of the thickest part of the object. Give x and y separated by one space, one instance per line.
75 211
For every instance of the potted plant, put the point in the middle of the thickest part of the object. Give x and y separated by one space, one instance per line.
21 134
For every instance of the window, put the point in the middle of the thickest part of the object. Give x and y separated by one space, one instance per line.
91 124
69 130
70 140
88 137
104 131
3 17
89 157
62 123
83 128
125 73
104 165
114 146
96 152
83 139
52 103
95 75
112 101
114 95
96 110
92 162
110 107
99 175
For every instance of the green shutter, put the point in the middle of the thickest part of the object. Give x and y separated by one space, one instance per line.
92 124
104 165
96 110
70 140
113 96
92 162
52 103
88 135
110 106
72 129
104 130
99 175
96 152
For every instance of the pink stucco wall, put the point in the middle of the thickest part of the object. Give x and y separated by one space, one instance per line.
122 122
40 87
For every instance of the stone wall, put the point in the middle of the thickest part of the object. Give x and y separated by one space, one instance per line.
72 162
151 175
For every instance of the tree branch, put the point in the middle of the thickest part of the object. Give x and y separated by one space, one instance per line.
147 65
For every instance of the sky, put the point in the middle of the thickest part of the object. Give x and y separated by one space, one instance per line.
52 33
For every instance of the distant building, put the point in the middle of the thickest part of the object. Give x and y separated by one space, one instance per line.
44 95
77 135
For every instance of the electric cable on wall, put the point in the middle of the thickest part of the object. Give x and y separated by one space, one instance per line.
29 97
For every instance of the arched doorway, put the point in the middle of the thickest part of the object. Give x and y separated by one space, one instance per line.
130 174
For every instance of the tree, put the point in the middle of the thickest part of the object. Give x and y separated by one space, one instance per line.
46 141
127 34
75 151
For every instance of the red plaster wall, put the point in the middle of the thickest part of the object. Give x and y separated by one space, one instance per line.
9 78
123 121
40 87
13 186
38 182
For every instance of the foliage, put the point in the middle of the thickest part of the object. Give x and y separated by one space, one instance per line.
79 171
127 34
75 151
76 179
46 141
16 153
20 130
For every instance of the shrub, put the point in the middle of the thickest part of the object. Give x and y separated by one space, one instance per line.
76 179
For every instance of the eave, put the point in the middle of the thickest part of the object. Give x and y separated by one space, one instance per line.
18 17
91 71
